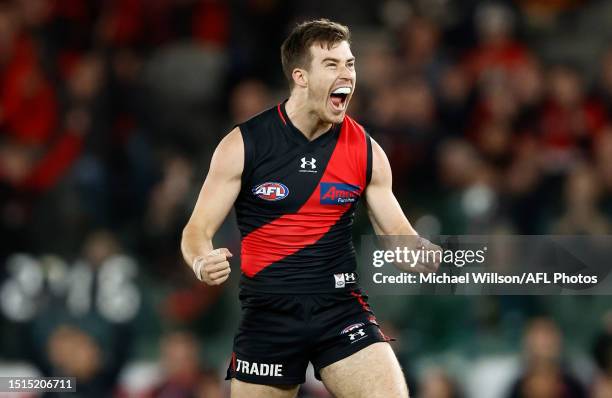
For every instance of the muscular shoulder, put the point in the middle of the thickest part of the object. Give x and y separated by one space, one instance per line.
381 169
228 158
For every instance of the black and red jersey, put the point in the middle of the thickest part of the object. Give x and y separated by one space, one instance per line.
296 206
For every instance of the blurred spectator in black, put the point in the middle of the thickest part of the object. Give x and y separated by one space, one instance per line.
455 98
602 353
436 383
413 134
85 322
72 352
421 52
603 153
605 80
528 90
523 190
494 142
183 374
544 375
582 198
247 99
169 205
468 188
249 56
168 208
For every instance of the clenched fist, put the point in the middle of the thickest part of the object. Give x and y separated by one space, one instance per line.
213 269
431 256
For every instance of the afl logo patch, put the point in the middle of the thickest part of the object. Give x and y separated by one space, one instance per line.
271 191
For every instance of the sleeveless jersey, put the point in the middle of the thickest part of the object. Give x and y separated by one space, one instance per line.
296 207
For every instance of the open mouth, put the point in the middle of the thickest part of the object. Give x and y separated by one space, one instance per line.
338 98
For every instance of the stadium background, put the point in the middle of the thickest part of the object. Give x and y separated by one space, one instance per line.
497 118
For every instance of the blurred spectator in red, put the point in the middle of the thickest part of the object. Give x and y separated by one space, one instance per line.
544 375
39 143
122 22
570 120
74 164
183 376
26 91
130 22
32 156
497 48
496 103
30 114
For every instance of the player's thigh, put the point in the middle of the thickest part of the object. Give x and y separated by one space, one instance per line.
242 389
372 372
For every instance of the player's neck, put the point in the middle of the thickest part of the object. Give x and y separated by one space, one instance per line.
304 119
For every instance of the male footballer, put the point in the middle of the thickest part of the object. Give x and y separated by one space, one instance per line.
295 174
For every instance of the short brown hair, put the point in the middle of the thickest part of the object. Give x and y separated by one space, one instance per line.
295 51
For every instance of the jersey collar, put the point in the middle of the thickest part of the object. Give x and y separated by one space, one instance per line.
298 136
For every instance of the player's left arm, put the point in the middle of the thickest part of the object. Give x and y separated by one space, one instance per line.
385 212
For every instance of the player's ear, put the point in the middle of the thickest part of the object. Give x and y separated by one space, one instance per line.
300 77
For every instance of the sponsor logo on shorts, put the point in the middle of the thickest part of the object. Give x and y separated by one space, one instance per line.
354 332
344 279
358 335
336 193
259 369
271 191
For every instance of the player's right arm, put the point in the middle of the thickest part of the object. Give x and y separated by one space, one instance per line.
218 193
387 216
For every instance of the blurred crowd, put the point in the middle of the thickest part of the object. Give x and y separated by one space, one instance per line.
496 117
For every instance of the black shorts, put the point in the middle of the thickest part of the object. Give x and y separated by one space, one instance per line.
280 334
